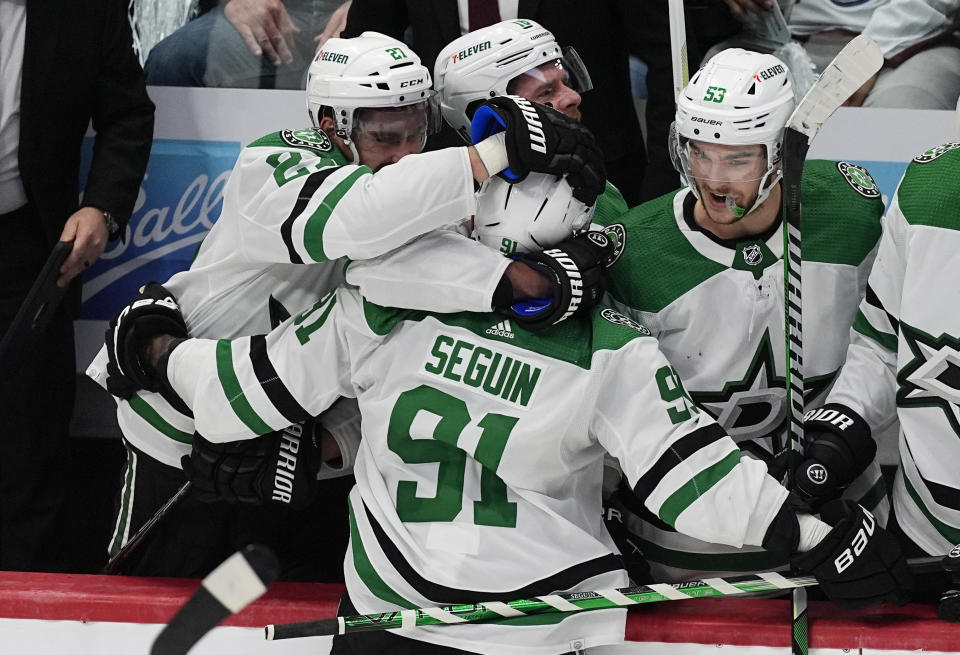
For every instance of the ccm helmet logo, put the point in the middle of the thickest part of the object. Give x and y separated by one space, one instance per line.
415 82
857 544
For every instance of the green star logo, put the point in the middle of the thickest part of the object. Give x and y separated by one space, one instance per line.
932 377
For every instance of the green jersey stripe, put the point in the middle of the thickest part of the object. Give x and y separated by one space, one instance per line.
126 498
864 327
949 532
313 230
234 392
702 482
368 575
151 416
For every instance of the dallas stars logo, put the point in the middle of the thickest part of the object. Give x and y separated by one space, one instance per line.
932 377
754 407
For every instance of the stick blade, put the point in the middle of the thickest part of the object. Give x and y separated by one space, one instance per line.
238 581
850 69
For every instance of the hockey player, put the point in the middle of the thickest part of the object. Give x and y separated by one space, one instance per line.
349 187
902 363
517 57
702 269
479 471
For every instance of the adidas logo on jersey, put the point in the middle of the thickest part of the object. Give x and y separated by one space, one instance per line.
501 329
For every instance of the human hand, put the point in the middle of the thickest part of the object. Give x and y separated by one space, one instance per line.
860 95
265 27
87 228
335 25
749 11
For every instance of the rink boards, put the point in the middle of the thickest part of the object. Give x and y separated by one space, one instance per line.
47 614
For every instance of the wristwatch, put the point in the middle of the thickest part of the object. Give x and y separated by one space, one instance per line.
113 226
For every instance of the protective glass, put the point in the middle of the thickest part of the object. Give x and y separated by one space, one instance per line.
721 163
388 127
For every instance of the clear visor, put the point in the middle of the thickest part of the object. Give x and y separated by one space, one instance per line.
721 163
569 70
395 126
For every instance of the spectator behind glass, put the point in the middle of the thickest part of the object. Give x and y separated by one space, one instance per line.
922 60
595 29
266 44
62 64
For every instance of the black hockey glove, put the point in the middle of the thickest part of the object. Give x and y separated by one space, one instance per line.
574 269
858 563
541 139
839 448
280 467
633 560
154 311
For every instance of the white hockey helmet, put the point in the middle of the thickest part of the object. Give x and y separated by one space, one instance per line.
738 97
482 63
367 72
536 213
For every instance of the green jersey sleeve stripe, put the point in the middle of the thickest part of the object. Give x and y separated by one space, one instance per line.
306 193
875 495
863 326
676 454
683 497
368 575
126 497
313 230
150 415
234 392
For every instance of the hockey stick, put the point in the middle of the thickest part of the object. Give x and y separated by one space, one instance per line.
238 581
566 602
854 65
678 46
113 566
948 608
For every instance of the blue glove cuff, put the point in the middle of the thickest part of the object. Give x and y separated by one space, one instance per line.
487 122
531 308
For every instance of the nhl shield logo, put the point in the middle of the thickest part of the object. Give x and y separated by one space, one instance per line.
859 178
308 138
934 153
752 254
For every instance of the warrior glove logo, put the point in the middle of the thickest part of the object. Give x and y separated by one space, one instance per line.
283 480
817 473
576 279
538 141
831 416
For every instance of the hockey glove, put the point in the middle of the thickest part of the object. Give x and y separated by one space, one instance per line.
858 563
541 139
574 269
154 311
280 467
839 448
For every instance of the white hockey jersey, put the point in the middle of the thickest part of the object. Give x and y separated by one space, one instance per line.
717 309
896 25
292 207
479 471
904 355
